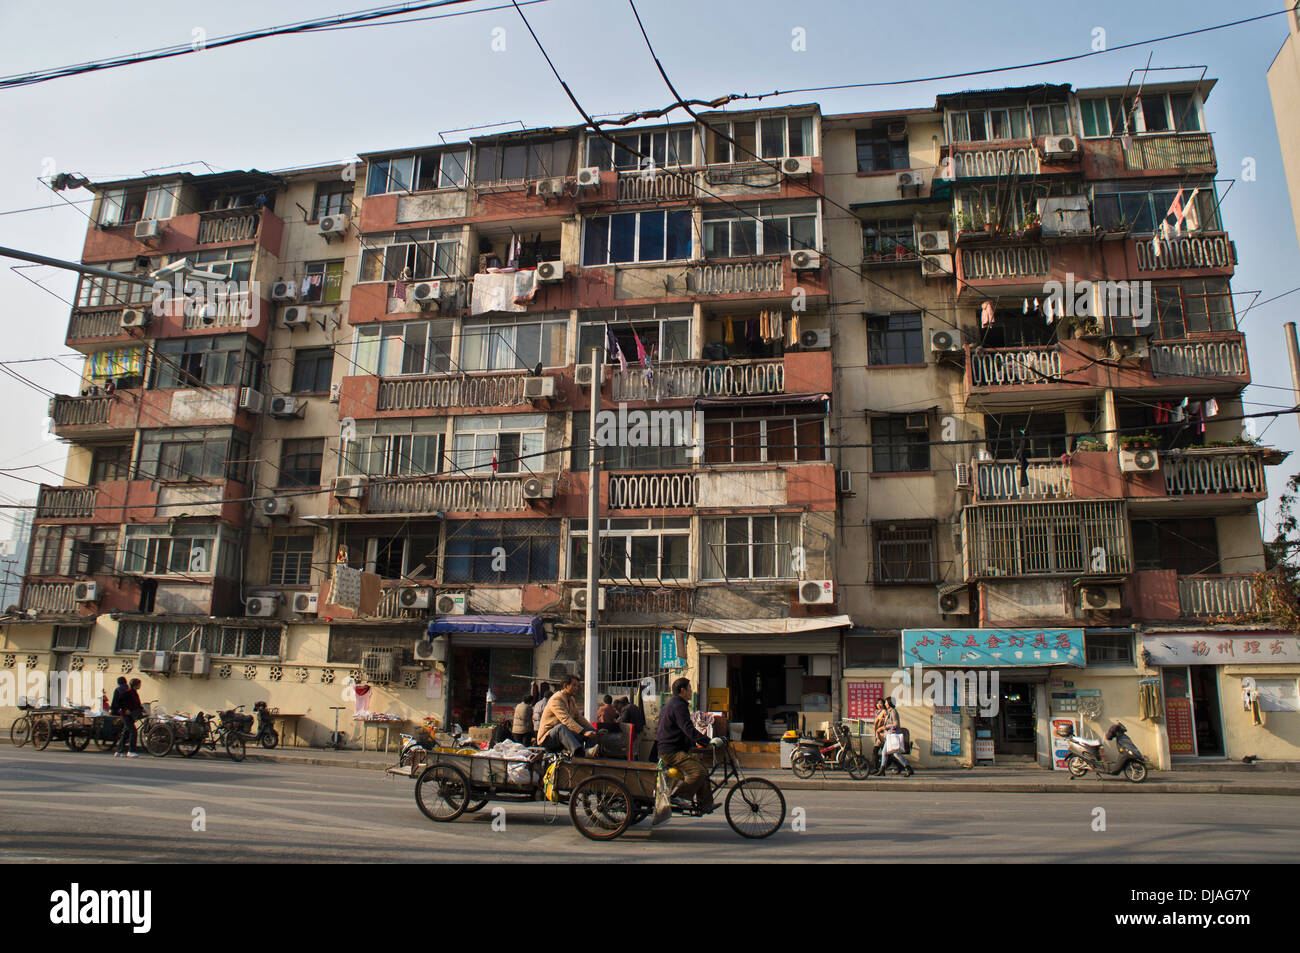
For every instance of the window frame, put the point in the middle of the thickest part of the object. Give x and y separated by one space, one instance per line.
598 253
876 137
904 534
529 431
878 339
282 558
415 255
319 358
762 218
334 192
503 355
300 458
780 521
879 446
375 363
627 530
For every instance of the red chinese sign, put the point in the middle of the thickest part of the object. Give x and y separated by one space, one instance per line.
862 698
1178 724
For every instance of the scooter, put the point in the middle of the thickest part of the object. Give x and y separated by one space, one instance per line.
1087 754
811 754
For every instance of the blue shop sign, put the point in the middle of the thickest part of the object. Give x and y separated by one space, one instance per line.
668 657
993 648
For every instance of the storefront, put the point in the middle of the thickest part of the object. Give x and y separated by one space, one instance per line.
489 664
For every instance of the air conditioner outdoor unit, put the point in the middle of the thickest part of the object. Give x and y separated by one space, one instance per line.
283 291
579 600
275 506
131 318
962 472
193 663
917 423
561 667
305 603
350 487
414 597
912 179
550 271
796 165
816 592
936 266
1060 146
1101 597
333 225
251 400
535 388
294 317
589 178
932 241
549 188
426 293
284 406
430 650
815 339
844 482
804 259
536 488
1138 461
582 375
450 603
155 661
336 389
85 592
148 230
944 341
954 601
260 607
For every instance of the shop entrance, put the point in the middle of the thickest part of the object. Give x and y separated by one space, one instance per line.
758 695
476 671
1205 711
1015 722
1192 717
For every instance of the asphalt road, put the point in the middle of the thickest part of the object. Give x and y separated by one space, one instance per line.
57 805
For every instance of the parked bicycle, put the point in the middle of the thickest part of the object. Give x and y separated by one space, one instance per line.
20 732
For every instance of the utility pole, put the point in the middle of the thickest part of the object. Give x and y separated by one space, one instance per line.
1293 352
76 266
592 655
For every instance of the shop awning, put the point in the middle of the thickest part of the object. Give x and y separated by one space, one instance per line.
993 648
766 626
529 625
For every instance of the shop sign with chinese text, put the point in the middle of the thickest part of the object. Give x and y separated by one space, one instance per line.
993 648
1210 648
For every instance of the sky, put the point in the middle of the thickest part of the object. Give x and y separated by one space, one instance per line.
323 97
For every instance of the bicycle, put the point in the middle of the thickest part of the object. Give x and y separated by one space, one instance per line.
20 732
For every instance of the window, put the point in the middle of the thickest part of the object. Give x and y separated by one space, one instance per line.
894 339
237 641
405 550
637 236
1154 112
217 360
1051 120
1190 547
900 443
110 463
621 457
73 550
1044 435
1141 208
324 282
220 453
300 461
750 547
511 345
411 256
394 448
760 229
516 160
500 444
871 651
634 550
312 369
888 238
532 551
1007 207
71 638
1193 306
981 125
749 140
765 434
119 364
665 333
122 206
290 560
332 198
236 264
1106 116
394 350
419 173
1277 694
1113 648
649 149
151 550
904 553
878 151
1170 112
97 292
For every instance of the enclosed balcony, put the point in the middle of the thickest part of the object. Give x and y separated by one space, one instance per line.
1080 537
441 392
447 494
1218 597
1181 152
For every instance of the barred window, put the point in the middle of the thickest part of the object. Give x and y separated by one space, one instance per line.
900 444
905 553
502 551
291 561
627 656
239 641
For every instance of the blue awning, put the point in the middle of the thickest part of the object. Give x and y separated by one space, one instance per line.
489 625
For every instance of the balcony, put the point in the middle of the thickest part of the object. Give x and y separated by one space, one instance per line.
1183 152
659 186
1199 254
1078 537
444 391
96 326
1217 597
724 379
1215 358
1014 366
49 597
72 412
65 502
228 225
1004 263
1044 480
1213 471
743 277
448 495
994 160
653 491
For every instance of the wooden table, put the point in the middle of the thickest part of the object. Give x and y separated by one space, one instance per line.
387 724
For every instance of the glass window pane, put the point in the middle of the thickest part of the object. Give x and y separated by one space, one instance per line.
652 237
622 242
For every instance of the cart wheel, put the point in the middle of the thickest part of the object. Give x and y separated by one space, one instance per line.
859 767
235 747
189 749
108 744
1135 771
269 738
20 732
601 808
803 767
1076 766
442 792
641 814
158 741
477 805
42 732
77 742
755 808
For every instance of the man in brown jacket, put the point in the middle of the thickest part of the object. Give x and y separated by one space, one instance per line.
562 727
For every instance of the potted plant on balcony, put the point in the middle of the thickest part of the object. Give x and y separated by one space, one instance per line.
1138 441
1033 228
965 223
1089 445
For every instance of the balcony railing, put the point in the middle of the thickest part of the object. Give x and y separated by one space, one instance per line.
970 162
227 225
461 495
650 601
653 491
80 411
65 502
1001 367
1191 252
1206 597
1177 151
234 310
658 186
1044 480
423 393
1031 539
1212 471
49 597
95 324
1013 261
722 379
750 277
1198 359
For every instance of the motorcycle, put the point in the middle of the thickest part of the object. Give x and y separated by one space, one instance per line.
233 721
1087 754
811 754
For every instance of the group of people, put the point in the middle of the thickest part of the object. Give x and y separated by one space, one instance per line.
885 723
126 705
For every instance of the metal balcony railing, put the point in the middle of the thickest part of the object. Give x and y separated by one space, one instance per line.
423 393
1198 359
227 225
987 160
658 186
458 494
751 277
1000 480
70 502
653 491
1204 597
1014 261
1212 471
650 601
1191 252
722 379
1077 537
49 597
80 411
1174 151
1000 367
234 310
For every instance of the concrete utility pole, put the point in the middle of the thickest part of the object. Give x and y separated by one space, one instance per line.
591 690
1293 352
76 266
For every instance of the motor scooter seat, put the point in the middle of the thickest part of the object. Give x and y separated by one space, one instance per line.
1089 742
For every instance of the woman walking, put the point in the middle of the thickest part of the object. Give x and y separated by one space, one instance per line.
893 750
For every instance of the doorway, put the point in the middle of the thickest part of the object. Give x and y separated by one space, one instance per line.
758 689
1015 725
1205 711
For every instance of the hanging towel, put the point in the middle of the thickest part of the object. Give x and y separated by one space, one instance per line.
728 331
792 330
986 314
1211 407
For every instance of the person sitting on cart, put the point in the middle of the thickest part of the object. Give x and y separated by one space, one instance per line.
563 728
677 742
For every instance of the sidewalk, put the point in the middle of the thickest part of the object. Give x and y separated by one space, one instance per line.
1279 779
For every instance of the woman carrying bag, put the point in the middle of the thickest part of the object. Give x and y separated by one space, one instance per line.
893 749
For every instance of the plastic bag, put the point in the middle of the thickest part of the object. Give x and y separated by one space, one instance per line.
893 742
548 785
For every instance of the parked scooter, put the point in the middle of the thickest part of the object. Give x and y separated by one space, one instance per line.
811 754
1088 754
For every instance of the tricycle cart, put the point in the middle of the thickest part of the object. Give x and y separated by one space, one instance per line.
72 726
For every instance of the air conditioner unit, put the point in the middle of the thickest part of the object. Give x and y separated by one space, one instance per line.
815 339
294 317
535 388
284 406
917 423
193 663
932 241
85 592
561 667
816 592
912 179
549 188
582 375
1138 461
336 390
260 607
796 165
430 650
962 472
155 662
333 225
579 600
148 230
131 318
305 603
550 271
1101 597
944 341
426 293
897 129
450 603
350 487
251 400
844 482
589 178
804 259
1060 146
936 266
414 597
283 291
275 506
536 488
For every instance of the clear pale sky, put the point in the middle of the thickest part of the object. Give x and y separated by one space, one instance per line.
322 97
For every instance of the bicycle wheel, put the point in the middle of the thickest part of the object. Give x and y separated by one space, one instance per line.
20 732
42 732
442 792
755 808
601 808
858 767
158 741
269 738
235 747
803 767
189 747
78 741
